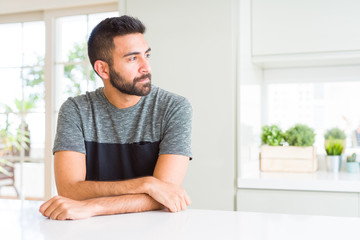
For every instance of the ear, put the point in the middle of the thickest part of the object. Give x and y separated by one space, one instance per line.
102 68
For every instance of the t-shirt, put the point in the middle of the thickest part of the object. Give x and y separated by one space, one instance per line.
125 143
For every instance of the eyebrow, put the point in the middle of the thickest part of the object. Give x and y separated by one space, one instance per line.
136 53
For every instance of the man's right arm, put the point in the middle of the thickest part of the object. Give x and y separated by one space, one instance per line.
70 173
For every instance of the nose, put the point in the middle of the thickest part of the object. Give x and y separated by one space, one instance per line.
145 66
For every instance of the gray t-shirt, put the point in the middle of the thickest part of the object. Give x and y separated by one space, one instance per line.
124 143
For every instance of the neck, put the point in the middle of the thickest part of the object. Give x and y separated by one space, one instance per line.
119 99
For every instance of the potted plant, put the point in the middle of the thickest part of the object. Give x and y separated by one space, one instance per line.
335 133
334 149
292 151
272 135
300 135
352 166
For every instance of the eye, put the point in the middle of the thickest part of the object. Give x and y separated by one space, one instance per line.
133 58
147 55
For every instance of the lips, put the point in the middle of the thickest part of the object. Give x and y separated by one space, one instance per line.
143 79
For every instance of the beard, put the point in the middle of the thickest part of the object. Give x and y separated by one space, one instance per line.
118 82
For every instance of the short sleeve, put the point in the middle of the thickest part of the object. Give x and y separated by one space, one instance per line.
177 129
69 133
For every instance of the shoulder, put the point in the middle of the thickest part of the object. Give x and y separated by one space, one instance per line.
166 98
81 102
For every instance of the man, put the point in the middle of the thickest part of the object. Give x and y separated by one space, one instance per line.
124 147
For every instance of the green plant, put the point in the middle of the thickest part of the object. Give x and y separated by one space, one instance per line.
334 147
300 135
351 158
335 133
272 135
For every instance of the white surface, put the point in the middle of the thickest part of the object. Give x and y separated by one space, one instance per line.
318 181
24 222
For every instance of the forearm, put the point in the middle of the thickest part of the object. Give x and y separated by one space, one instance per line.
62 208
123 204
169 195
93 189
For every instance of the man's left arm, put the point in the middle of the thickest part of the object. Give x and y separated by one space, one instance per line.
168 176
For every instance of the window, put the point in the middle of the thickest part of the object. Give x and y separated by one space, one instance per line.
320 97
74 73
22 110
327 100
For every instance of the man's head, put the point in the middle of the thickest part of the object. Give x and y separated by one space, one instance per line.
118 46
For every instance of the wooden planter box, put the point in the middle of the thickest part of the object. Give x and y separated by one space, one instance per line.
288 159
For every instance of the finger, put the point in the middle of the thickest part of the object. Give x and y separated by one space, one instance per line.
57 203
183 204
187 199
172 208
167 205
178 205
54 214
46 205
64 216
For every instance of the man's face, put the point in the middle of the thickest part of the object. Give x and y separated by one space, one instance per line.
130 72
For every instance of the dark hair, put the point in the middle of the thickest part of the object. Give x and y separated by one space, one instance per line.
101 44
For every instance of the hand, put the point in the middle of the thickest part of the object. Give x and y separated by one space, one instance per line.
61 208
171 196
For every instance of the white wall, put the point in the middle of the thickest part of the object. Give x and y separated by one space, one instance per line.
193 54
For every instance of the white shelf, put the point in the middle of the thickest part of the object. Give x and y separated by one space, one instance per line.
318 181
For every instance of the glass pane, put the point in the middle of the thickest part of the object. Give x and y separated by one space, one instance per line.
60 97
98 81
94 81
291 103
32 182
34 90
34 126
10 45
320 105
10 77
74 74
3 117
10 137
75 79
71 34
72 81
34 43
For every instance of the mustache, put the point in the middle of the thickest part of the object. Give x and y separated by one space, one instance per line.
148 75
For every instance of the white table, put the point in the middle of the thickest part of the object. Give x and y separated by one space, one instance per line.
21 220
